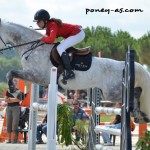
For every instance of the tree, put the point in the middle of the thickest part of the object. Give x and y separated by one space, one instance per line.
143 49
7 65
121 41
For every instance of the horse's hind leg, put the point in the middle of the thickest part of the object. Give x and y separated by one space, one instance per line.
17 74
139 116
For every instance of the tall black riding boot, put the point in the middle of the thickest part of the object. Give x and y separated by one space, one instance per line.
66 62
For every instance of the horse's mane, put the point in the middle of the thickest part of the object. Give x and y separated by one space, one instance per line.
19 26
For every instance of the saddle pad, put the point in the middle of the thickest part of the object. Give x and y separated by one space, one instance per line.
81 63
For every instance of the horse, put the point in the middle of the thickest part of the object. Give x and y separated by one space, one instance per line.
104 73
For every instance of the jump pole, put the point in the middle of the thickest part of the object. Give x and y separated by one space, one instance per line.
52 110
33 118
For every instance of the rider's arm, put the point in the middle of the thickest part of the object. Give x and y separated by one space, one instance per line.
52 35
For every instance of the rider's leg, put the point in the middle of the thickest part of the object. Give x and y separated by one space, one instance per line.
66 43
66 63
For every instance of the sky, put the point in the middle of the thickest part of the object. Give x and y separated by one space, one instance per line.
83 12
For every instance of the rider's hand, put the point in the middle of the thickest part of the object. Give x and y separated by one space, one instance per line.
38 40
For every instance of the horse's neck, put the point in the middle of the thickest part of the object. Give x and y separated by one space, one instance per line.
16 35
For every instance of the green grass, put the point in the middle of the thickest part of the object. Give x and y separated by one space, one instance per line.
107 118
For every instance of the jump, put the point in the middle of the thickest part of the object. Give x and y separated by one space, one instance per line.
103 73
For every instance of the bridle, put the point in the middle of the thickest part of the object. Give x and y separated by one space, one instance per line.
2 41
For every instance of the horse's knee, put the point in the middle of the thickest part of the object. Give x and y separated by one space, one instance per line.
9 76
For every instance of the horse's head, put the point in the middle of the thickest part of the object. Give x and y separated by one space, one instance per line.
8 35
2 43
15 34
24 39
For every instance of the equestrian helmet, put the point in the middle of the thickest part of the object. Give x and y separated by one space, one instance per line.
41 14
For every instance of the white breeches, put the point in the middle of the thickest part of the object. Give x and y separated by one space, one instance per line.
70 41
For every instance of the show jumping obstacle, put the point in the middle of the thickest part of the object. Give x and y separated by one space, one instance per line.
127 100
51 113
104 73
33 118
127 107
107 76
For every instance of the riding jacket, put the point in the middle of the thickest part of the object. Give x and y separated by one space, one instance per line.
53 31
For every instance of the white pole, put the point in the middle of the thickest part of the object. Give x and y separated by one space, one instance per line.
41 107
33 118
108 110
108 130
52 110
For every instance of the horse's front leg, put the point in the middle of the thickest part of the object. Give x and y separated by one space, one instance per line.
21 74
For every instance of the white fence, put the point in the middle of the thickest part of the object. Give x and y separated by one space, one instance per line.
51 114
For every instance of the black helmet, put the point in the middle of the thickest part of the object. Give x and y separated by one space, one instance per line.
41 15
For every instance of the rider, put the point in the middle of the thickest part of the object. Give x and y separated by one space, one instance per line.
72 35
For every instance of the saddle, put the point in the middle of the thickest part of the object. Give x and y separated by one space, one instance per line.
80 59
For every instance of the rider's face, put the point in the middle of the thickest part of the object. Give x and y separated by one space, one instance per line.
40 23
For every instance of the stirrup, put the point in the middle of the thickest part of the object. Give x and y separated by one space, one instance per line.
69 75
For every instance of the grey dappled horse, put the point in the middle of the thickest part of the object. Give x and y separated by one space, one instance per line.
104 73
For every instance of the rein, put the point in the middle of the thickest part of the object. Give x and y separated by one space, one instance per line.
34 42
33 46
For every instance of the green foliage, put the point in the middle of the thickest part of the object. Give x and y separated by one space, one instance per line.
111 45
99 38
144 143
3 87
7 65
65 127
121 41
81 128
115 45
65 123
143 49
107 118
